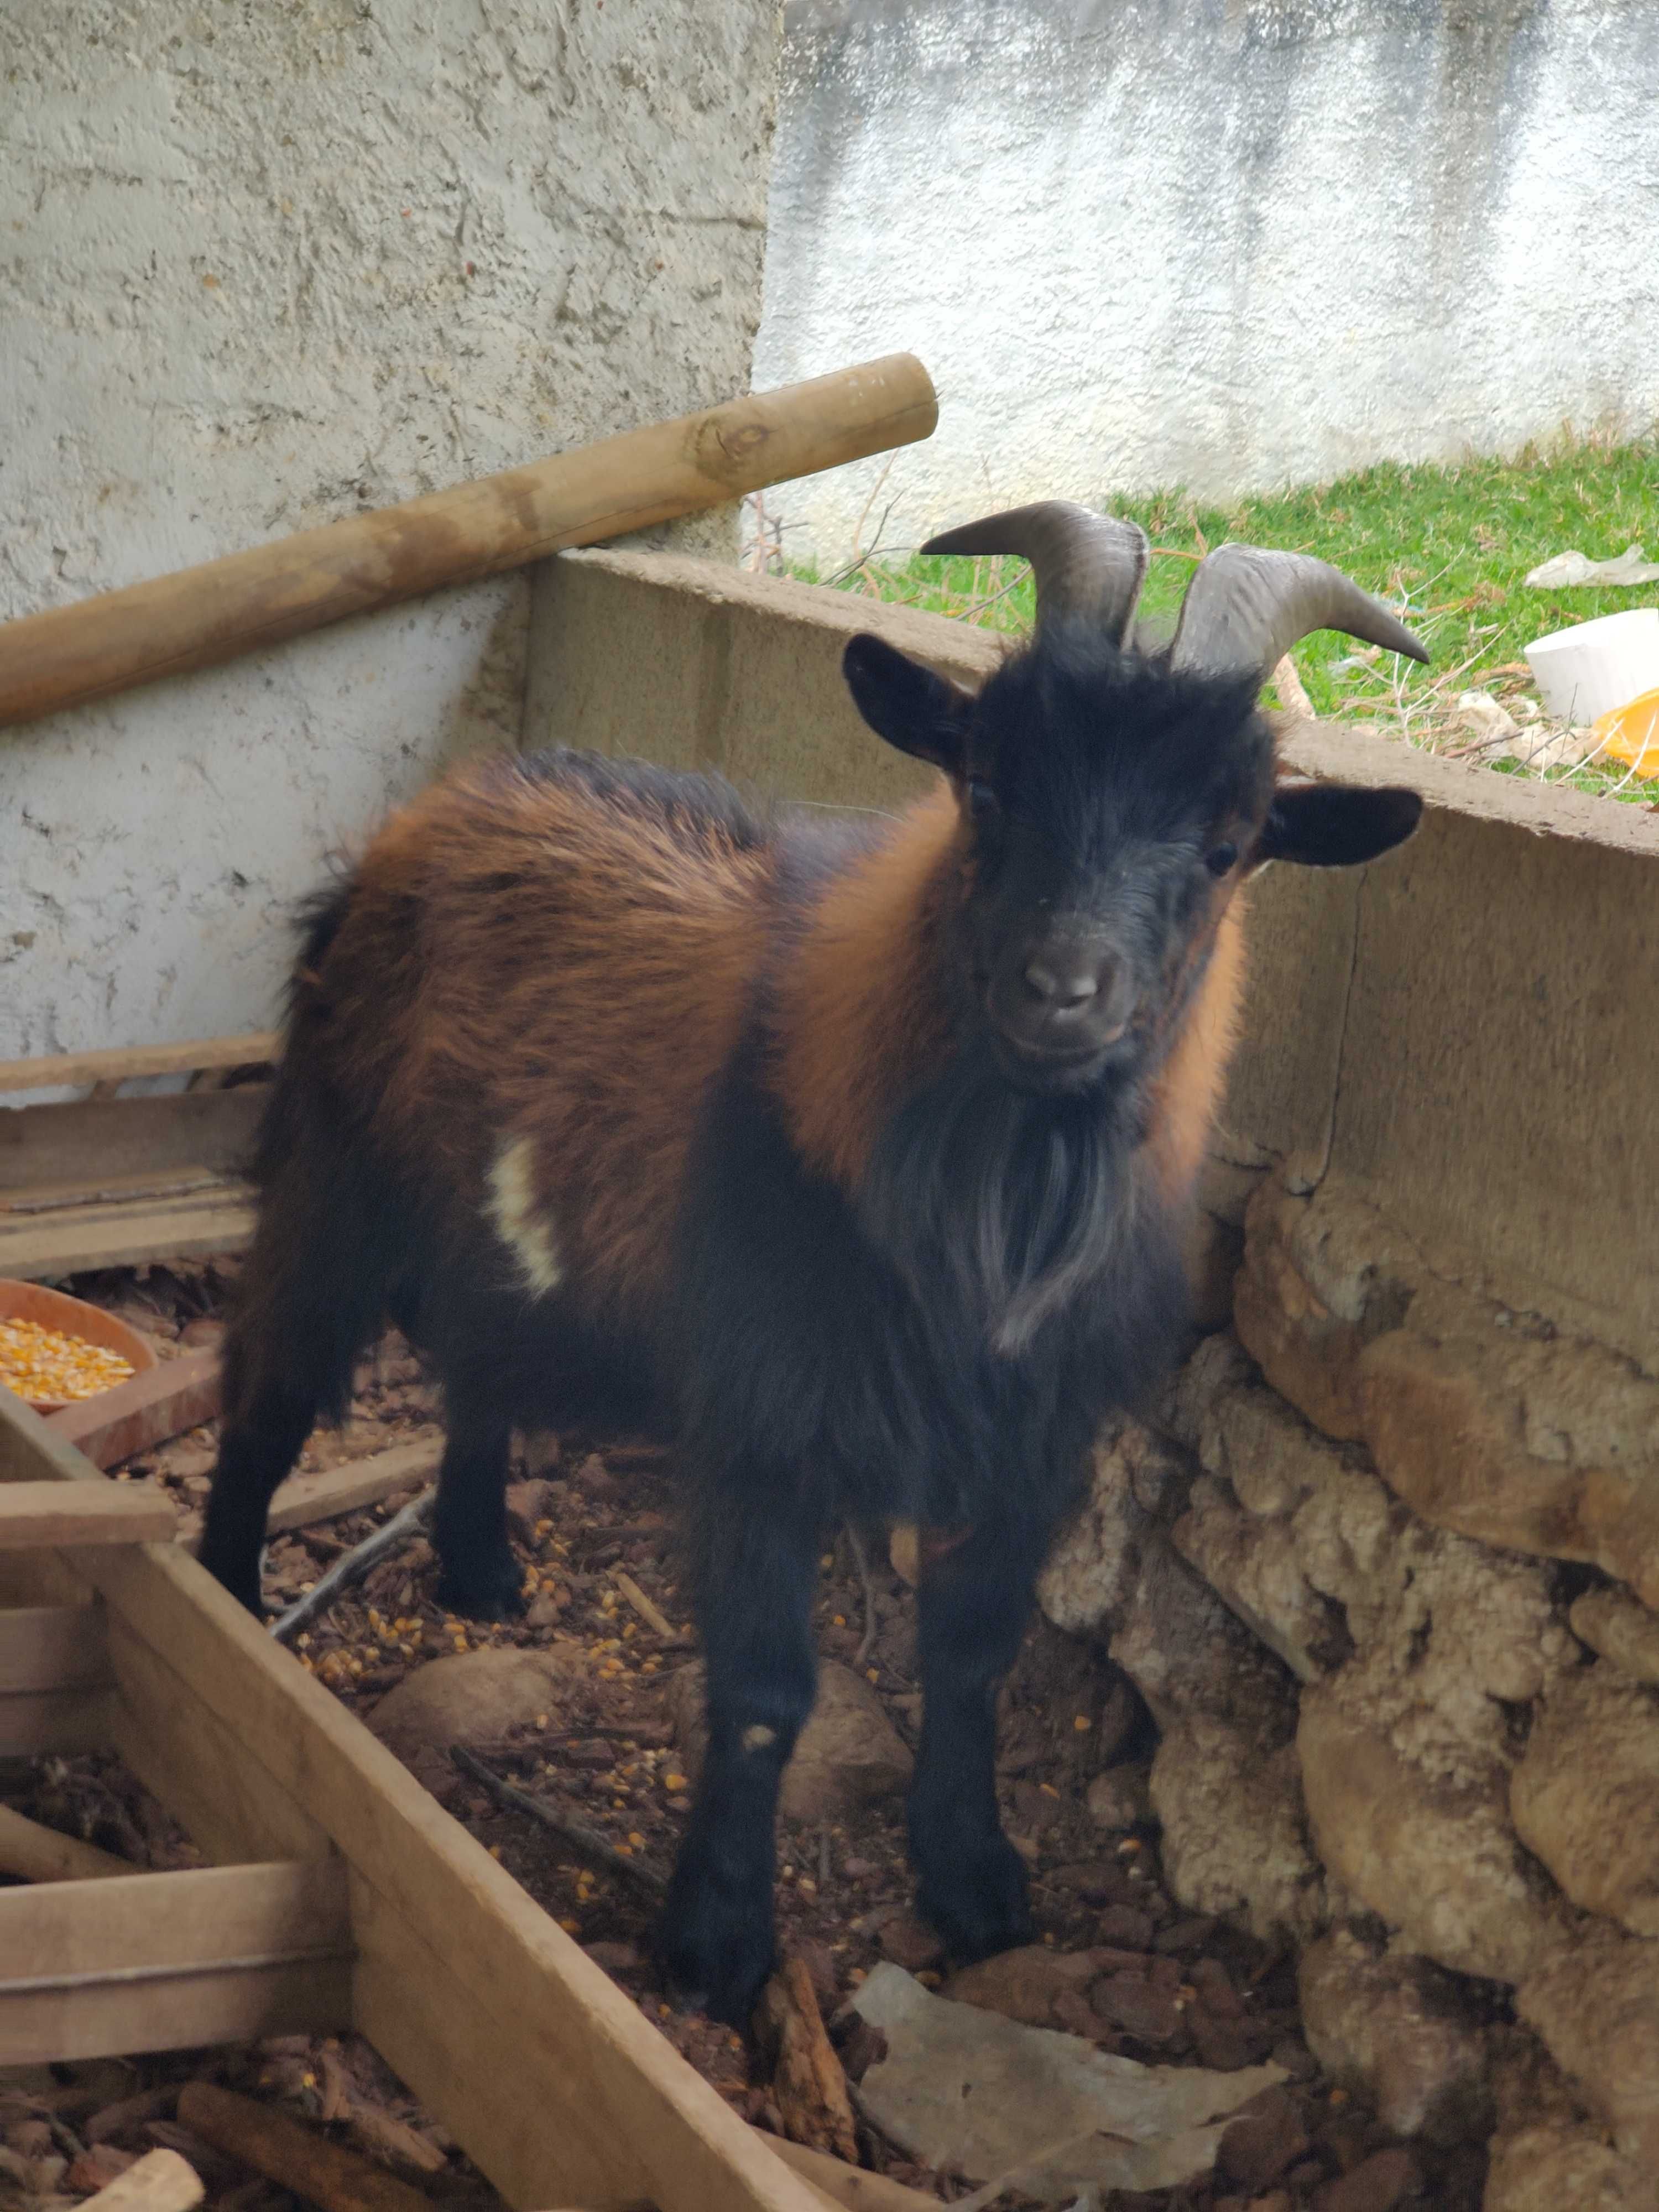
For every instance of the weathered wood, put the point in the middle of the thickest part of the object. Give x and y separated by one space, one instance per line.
850 2185
247 600
66 1242
161 2181
40 1854
119 1423
296 2158
164 1961
304 1498
808 2085
43 1514
527 2052
55 1680
93 1143
127 1063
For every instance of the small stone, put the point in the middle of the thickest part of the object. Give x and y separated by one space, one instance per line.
206 1331
615 1957
1139 2007
1224 2046
1562 2168
1185 1935
1126 1927
1022 1985
1215 1990
1267 2137
848 1755
475 1697
910 1943
1585 1796
527 1503
543 1611
1376 2185
1117 1799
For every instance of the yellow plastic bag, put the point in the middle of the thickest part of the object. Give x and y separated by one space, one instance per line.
1631 733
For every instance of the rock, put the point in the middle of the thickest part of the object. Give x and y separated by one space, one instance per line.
1118 1800
1187 1653
910 1942
1377 2184
1595 2000
1621 1628
1551 2169
1140 2006
1255 1565
1401 2032
1234 1839
474 1696
1486 1422
1429 1851
1022 1985
1093 1568
986 2093
96 2167
615 1957
1265 2139
1585 1796
195 1335
849 1754
527 1503
1124 1927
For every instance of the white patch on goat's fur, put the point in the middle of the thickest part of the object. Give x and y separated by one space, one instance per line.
758 1737
514 1217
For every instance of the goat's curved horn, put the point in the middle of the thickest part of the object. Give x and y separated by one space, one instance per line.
1085 564
1246 607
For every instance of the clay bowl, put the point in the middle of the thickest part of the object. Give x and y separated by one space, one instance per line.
72 1317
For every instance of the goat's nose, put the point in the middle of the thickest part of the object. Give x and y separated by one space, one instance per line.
1064 985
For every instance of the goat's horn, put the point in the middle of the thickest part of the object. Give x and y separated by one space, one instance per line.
1083 563
1246 607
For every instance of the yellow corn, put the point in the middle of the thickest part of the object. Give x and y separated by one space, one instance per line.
42 1362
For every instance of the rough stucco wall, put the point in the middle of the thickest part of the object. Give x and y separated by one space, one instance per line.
1222 243
260 265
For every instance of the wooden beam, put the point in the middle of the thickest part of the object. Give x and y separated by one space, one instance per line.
164 1961
304 1498
34 1514
67 1243
539 2064
55 1682
41 1853
167 1399
247 600
127 1063
93 1143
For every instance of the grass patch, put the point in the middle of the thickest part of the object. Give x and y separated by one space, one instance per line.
1447 547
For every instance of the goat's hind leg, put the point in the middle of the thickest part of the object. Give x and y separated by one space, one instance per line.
478 1576
973 1605
758 1568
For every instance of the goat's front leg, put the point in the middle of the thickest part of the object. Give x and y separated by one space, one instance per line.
973 1604
758 1564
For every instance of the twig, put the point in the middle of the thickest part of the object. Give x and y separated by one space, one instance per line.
867 1643
651 1614
587 1842
353 1567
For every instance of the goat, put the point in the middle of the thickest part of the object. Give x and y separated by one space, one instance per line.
864 1158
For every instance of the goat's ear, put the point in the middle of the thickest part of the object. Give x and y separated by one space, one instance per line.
910 706
1334 825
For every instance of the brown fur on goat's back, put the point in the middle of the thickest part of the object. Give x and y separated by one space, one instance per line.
520 957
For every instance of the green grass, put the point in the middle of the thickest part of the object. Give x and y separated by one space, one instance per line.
1447 546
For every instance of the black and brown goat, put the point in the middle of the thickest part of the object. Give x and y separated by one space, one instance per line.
866 1157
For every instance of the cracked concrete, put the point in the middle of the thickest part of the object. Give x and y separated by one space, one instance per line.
261 268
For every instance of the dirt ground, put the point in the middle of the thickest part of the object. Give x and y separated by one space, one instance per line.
598 1515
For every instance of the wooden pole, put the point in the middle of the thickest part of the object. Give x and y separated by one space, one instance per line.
198 617
40 1854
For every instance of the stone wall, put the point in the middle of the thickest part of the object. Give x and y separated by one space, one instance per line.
1385 1568
1223 243
264 266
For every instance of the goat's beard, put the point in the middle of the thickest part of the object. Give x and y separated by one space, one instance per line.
1010 1204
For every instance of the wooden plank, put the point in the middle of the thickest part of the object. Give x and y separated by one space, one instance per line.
87 1141
55 1682
304 1498
125 1063
41 1853
118 1423
164 1961
611 2111
36 1514
247 600
66 1244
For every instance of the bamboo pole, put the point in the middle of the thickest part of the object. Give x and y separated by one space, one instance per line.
198 617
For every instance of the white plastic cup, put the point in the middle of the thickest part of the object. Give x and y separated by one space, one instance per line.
1586 672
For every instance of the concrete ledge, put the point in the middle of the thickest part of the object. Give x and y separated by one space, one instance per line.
1465 1032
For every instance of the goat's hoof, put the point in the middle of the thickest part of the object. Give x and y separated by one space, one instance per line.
985 1905
714 1962
492 1592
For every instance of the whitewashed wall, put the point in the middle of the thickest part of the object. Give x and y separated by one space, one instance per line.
1224 243
260 265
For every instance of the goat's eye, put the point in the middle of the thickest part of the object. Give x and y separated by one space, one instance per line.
1220 858
983 802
